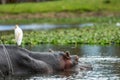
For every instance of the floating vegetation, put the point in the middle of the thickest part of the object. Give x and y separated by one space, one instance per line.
102 34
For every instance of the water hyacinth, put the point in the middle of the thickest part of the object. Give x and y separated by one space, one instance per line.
85 35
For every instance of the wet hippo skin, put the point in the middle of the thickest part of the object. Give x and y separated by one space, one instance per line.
16 61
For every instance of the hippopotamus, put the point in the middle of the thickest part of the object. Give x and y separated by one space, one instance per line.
18 61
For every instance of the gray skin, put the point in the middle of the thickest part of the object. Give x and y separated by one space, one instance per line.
17 61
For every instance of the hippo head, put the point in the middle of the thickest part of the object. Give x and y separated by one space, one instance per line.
57 60
68 61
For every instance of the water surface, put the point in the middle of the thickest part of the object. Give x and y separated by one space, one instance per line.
105 61
43 26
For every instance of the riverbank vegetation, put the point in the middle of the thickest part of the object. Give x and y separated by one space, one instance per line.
58 11
78 20
103 13
61 5
63 20
106 34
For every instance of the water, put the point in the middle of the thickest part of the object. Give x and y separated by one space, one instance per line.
105 61
53 26
42 26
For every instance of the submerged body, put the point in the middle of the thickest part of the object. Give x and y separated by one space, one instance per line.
23 61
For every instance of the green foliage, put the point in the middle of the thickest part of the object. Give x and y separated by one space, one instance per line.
102 34
107 1
61 5
70 6
62 20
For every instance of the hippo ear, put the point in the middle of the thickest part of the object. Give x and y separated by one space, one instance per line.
67 54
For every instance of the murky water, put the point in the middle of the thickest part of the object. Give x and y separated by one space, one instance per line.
105 61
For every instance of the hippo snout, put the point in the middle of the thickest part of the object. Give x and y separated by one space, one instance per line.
75 59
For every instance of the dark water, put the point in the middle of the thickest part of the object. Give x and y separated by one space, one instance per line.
105 61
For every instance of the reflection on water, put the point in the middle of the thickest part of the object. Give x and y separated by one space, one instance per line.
81 50
95 50
105 61
43 26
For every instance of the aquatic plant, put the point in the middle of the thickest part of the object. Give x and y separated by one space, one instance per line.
102 34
